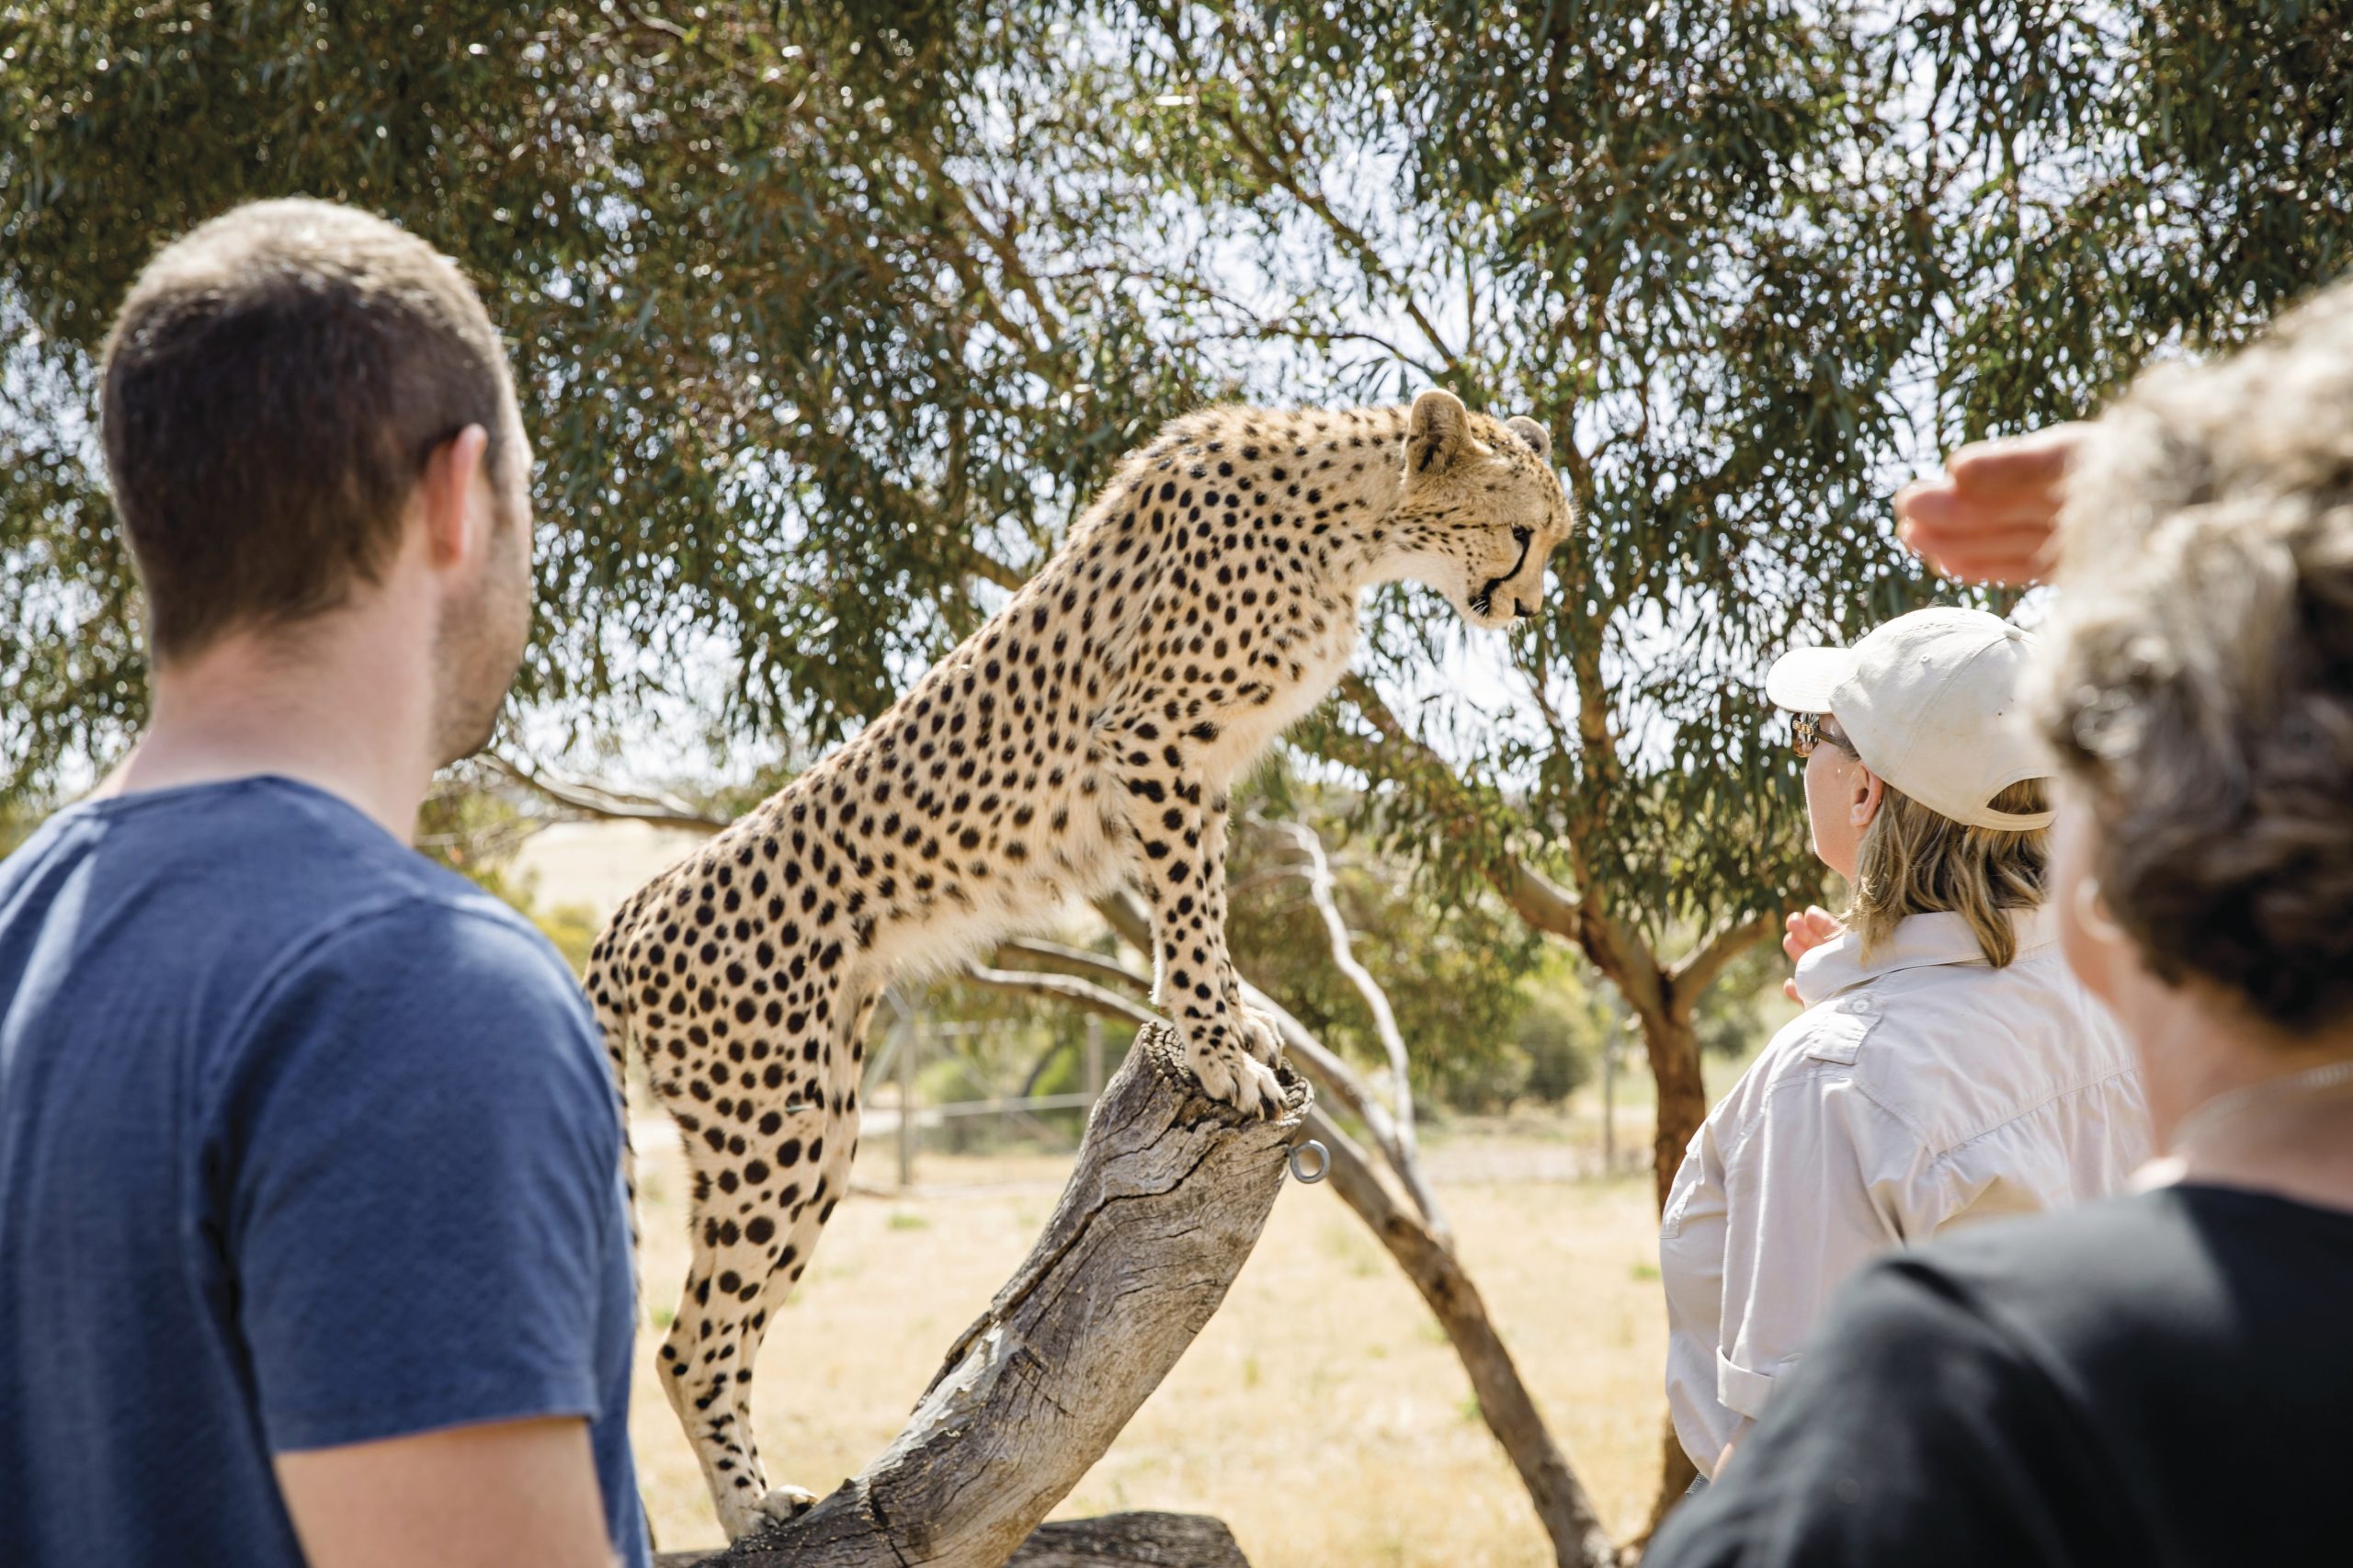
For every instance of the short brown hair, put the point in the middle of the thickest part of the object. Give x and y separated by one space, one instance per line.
273 386
1913 861
2201 685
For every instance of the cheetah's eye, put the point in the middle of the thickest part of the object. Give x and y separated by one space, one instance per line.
1521 536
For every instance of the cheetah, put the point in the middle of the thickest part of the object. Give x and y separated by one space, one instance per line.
1091 729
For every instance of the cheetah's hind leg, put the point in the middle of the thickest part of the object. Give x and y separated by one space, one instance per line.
751 1228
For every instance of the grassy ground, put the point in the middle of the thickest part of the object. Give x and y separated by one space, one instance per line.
1322 1413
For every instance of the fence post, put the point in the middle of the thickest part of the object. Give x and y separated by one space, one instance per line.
1609 1105
909 1044
1094 1060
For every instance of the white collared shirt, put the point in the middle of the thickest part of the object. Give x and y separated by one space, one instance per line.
1922 1089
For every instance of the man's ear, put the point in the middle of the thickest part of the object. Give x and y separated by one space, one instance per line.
1532 436
445 493
1437 431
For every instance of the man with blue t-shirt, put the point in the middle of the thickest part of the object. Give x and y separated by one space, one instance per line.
312 1242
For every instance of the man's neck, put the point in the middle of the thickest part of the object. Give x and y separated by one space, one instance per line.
330 703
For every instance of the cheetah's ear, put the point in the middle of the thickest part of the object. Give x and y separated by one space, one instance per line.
1435 431
1532 436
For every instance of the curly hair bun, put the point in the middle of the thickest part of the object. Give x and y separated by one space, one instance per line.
2200 682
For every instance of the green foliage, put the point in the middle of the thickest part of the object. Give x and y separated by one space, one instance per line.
1744 1007
791 370
1491 1015
828 316
572 927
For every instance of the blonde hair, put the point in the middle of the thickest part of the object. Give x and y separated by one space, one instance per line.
1913 861
2199 687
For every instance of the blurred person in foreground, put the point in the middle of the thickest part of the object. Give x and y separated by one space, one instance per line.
2161 1379
312 1241
1948 1069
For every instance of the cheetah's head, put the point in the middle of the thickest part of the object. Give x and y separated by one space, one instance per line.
1480 511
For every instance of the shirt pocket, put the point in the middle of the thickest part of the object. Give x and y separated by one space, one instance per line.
1838 1034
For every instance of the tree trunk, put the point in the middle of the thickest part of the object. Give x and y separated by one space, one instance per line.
1114 1541
1133 1541
1579 1541
1169 1195
1674 1047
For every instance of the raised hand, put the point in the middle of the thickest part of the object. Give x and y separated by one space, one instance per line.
1806 930
1989 517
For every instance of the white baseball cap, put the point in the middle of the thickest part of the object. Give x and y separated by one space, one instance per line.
1931 702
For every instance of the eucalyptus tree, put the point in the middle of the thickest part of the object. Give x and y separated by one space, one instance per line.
829 314
1752 262
800 380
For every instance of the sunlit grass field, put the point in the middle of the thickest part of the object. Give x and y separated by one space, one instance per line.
1322 1413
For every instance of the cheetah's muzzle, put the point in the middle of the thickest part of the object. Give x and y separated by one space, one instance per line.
1483 601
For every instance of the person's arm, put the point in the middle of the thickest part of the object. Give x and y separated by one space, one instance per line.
1990 516
1807 1204
512 1494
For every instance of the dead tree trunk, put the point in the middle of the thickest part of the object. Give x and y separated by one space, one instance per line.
1112 1540
1168 1197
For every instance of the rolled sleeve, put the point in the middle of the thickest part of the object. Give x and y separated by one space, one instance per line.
1745 1392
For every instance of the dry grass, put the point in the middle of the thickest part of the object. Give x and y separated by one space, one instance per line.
1322 1413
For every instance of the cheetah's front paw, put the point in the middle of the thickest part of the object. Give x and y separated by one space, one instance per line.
1261 1035
1234 1076
784 1503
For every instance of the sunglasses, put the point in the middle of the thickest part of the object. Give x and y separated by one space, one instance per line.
1806 733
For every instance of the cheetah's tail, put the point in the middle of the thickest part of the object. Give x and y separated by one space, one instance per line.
608 995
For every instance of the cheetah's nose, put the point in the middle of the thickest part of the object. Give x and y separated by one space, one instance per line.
1522 609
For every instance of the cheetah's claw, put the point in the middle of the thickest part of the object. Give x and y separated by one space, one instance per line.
784 1503
1239 1080
1260 1036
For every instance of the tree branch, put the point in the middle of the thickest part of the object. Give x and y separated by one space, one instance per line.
1537 899
1277 174
1060 988
1168 1197
1422 1246
1697 969
1054 957
1317 874
1579 1540
595 800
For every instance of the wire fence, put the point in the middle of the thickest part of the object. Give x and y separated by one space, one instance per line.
899 1059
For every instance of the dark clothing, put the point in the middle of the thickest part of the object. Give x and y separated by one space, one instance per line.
2160 1381
303 1142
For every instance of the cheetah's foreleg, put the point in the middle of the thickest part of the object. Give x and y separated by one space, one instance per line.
1179 831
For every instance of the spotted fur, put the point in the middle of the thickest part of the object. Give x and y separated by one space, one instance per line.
1090 729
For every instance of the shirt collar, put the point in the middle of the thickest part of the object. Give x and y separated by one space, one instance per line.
1919 941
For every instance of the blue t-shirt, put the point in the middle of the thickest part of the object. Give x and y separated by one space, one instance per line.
303 1142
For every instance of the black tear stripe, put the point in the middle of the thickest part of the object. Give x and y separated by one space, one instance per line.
1484 599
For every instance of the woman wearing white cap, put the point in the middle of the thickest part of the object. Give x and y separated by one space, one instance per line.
1947 1068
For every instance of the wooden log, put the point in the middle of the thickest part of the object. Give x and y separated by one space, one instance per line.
1133 1541
1112 1540
1169 1194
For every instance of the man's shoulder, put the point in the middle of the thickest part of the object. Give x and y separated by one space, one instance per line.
279 855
